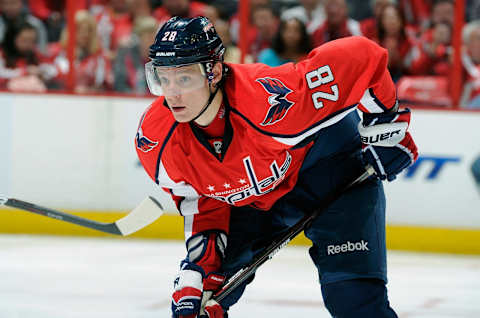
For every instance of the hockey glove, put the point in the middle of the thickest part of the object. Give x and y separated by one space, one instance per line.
210 308
192 293
213 310
193 287
387 146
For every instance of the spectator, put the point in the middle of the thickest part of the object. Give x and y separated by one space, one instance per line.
13 12
129 64
92 67
337 25
471 63
44 9
368 26
438 49
114 25
51 13
266 23
310 12
436 41
251 29
232 52
291 44
443 12
22 68
140 8
404 54
182 8
213 13
416 13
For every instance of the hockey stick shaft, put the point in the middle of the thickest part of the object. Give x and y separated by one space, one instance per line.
247 271
144 214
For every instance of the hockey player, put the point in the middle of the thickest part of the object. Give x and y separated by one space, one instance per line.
246 150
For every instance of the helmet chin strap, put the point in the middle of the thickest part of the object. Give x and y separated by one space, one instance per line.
210 99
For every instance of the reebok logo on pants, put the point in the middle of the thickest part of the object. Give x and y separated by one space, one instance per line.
347 247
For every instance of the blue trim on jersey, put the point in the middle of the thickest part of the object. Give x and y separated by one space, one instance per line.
377 101
297 134
170 132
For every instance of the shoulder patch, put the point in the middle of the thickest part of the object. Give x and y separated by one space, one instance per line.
143 143
279 104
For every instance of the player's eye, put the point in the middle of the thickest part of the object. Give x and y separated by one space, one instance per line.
184 80
164 81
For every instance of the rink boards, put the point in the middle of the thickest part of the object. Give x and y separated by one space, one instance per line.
76 154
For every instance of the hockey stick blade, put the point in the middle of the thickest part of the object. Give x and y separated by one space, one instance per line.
276 245
144 214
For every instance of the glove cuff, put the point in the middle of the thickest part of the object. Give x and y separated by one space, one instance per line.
187 265
190 276
213 281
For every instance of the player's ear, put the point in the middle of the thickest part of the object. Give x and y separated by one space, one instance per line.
217 73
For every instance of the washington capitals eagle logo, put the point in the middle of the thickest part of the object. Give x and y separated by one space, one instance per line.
277 99
143 143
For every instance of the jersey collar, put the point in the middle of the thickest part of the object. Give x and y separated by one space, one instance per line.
227 135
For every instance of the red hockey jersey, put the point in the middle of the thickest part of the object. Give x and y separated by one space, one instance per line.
269 111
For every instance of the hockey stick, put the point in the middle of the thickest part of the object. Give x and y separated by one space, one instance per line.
145 213
247 271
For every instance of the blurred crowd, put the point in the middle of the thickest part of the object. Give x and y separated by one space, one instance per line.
112 39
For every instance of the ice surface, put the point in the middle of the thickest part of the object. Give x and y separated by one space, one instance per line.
63 277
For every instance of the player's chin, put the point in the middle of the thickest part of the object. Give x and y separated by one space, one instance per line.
182 117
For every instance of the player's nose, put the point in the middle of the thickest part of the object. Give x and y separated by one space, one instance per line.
173 99
172 90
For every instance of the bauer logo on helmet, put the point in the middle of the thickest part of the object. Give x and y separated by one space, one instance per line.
165 54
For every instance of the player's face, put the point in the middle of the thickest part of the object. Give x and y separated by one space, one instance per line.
186 91
174 81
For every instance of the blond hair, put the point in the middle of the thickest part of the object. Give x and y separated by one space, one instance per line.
145 24
83 17
469 29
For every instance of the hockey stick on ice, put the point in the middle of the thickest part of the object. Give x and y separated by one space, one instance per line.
145 213
281 242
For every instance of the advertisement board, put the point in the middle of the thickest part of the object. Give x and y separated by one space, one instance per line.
77 153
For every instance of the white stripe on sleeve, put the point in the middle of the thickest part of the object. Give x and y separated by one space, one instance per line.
189 205
368 101
295 140
188 226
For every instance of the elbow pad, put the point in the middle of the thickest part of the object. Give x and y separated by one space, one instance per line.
207 249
